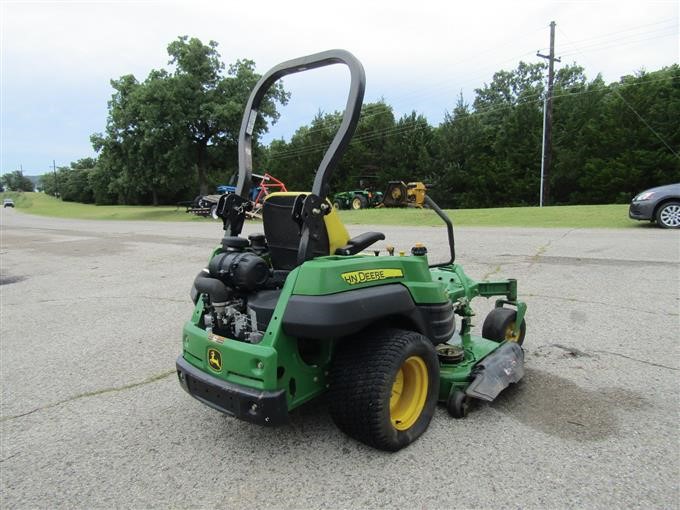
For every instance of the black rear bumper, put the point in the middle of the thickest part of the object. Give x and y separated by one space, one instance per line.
267 408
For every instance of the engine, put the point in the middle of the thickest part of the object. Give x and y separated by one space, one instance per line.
243 271
234 273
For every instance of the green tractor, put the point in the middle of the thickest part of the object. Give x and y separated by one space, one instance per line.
283 317
357 199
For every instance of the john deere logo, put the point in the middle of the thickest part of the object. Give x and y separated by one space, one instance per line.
355 277
215 359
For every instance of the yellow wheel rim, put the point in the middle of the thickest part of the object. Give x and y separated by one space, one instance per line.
510 335
409 392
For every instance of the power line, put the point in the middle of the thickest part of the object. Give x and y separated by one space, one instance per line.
673 24
415 94
395 101
614 89
408 125
619 43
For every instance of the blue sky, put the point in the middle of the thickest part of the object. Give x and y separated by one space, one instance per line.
57 57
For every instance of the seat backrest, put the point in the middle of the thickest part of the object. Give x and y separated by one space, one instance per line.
283 233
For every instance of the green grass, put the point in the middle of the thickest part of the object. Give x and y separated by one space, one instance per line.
570 216
45 205
573 216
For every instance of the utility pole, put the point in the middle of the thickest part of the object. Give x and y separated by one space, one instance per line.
56 180
547 120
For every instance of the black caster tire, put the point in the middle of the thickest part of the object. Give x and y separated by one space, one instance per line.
499 325
458 404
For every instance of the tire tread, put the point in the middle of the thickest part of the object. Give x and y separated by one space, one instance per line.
362 369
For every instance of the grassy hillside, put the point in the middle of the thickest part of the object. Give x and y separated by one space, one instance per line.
574 216
45 205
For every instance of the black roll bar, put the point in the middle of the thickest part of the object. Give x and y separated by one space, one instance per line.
342 137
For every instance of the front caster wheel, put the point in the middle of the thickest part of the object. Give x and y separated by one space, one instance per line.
458 404
499 326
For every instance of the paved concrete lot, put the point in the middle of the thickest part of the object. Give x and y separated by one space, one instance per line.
92 415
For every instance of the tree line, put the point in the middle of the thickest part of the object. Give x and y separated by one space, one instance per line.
175 134
16 181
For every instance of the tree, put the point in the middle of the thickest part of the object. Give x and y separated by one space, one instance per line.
296 161
577 106
71 183
167 134
638 138
488 154
178 130
16 181
408 151
511 116
457 150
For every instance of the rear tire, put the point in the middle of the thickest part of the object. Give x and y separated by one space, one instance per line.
499 324
213 212
384 387
668 215
359 202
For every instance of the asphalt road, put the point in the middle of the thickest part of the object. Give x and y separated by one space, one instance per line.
92 415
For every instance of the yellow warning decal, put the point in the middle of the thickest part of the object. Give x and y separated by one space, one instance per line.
371 275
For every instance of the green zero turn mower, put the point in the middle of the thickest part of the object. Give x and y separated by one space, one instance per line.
285 316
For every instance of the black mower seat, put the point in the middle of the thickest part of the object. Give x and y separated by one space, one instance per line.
283 233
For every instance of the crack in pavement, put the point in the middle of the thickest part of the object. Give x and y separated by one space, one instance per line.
544 247
94 393
10 457
577 353
556 259
573 351
494 271
603 303
636 359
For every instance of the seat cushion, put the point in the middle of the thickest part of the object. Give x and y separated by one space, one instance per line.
283 233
